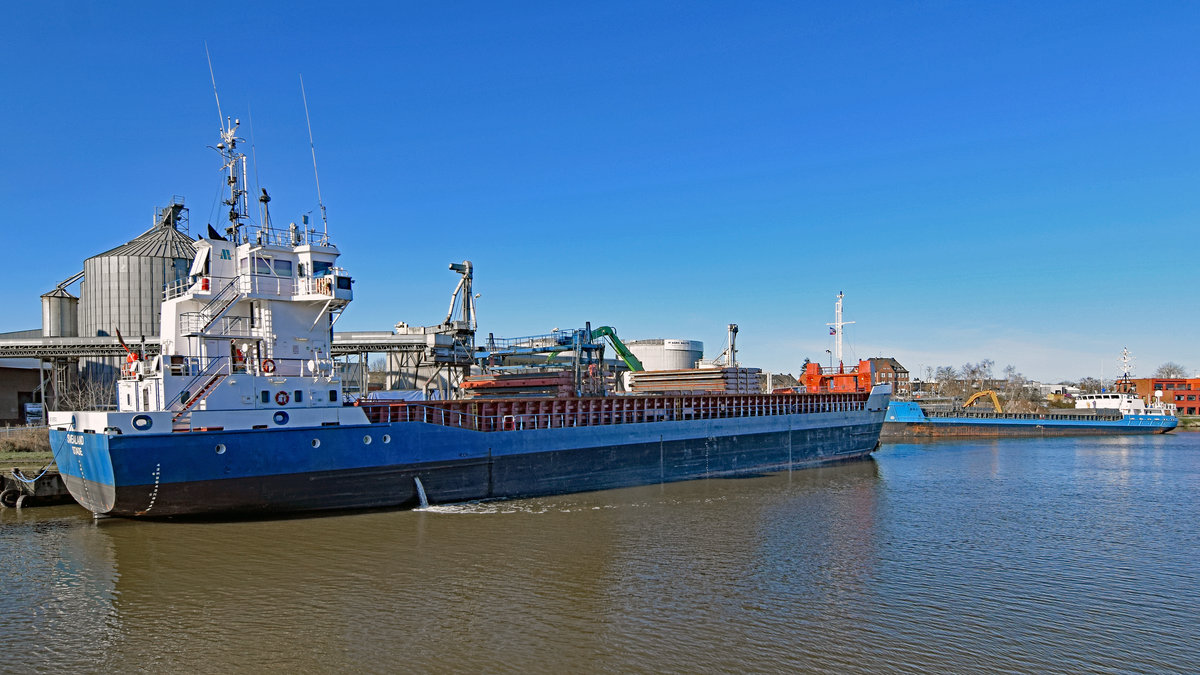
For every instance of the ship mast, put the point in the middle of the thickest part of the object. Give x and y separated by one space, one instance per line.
1124 385
837 328
235 167
238 203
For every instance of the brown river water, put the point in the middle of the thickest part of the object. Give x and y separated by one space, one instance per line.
1013 555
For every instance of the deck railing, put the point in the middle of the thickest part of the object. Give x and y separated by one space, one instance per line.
258 285
517 415
1075 417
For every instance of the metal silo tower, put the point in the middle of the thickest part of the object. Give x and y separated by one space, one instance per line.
122 288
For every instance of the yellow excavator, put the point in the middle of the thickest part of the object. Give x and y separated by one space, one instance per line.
978 395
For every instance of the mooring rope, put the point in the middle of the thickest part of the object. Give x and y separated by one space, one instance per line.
20 475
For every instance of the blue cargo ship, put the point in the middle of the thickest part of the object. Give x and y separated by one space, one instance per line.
242 413
1096 414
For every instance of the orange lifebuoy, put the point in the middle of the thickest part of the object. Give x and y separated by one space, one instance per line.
281 398
268 366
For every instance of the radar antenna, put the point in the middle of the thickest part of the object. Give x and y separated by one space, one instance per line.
1126 363
313 147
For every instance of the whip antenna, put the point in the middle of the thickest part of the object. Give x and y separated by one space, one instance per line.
220 117
324 220
266 223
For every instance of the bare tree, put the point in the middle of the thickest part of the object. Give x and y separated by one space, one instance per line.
947 379
1014 382
1171 369
1089 385
88 394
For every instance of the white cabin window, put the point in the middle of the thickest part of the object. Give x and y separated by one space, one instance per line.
271 267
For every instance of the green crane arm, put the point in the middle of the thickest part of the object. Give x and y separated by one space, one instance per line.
622 351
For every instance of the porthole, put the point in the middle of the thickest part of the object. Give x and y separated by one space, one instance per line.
220 448
316 442
366 440
387 438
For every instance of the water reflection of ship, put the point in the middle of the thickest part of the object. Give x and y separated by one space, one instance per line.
59 592
500 585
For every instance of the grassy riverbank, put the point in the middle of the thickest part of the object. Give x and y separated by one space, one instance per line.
25 449
1191 423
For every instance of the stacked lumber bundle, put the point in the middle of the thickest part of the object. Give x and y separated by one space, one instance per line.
519 385
697 381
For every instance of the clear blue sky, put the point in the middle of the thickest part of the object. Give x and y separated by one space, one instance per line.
1013 181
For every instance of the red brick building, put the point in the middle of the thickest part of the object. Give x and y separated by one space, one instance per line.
1184 392
889 371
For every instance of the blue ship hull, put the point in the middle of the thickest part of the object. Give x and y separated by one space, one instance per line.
369 466
906 419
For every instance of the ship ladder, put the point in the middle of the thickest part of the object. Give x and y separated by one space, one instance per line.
200 396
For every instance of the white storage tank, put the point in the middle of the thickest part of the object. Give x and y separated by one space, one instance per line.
666 354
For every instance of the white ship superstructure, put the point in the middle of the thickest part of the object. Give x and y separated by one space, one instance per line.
246 337
1125 403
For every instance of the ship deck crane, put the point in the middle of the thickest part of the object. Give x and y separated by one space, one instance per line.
634 363
981 394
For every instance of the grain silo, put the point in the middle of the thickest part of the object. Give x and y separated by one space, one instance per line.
60 314
660 354
122 288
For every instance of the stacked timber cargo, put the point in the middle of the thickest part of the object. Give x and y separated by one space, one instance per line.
697 381
519 385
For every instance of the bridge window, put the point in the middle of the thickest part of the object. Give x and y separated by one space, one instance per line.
266 396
